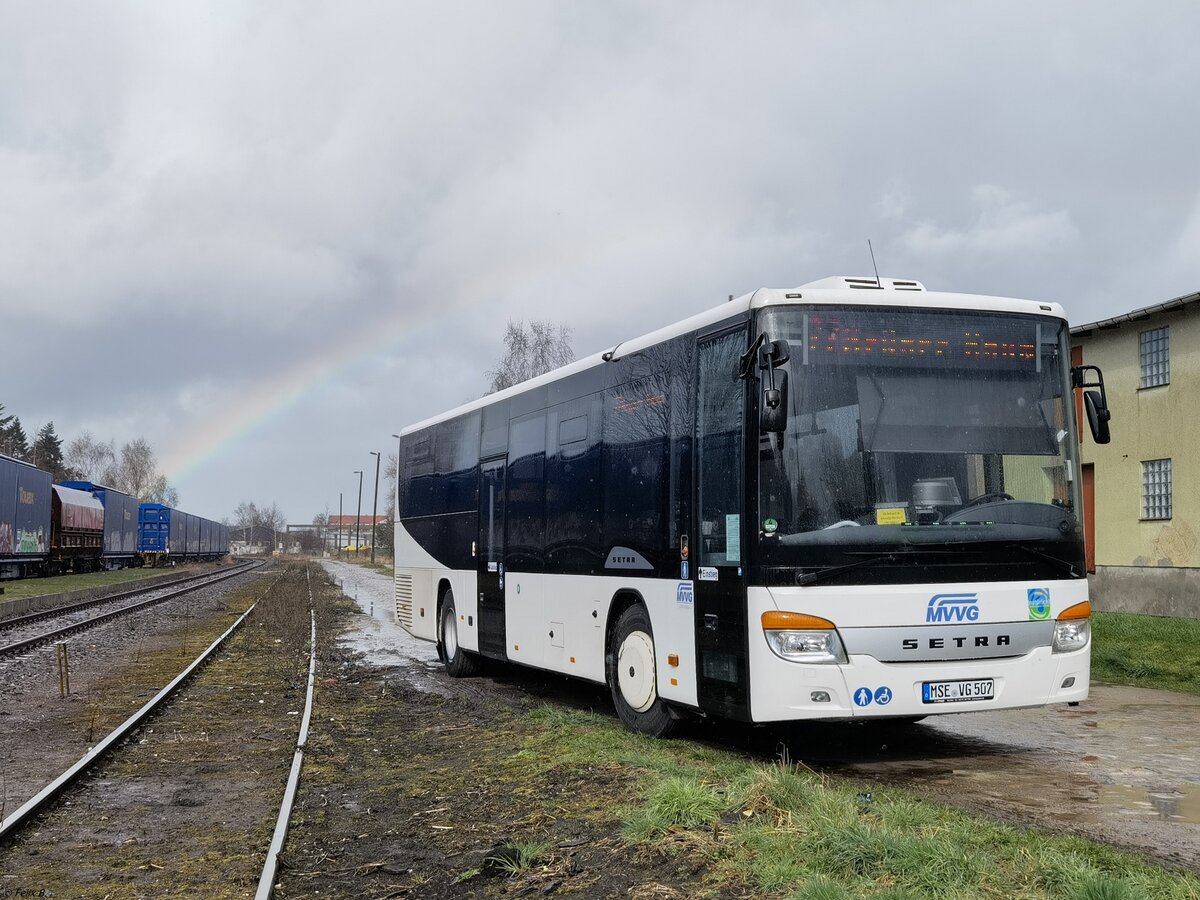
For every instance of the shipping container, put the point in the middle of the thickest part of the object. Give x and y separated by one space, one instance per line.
120 523
24 518
76 530
154 529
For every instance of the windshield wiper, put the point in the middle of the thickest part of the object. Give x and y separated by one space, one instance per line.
831 571
1062 564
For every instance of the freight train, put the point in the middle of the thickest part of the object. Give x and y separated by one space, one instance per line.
78 526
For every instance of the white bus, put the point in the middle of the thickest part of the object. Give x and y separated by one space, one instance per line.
851 499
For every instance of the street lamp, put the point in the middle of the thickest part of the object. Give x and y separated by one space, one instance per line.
341 522
358 515
375 508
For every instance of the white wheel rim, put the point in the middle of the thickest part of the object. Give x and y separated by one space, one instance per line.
450 635
635 671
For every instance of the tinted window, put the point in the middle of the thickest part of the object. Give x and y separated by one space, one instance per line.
526 510
574 499
636 473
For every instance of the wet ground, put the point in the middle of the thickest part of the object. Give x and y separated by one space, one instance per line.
1123 767
377 637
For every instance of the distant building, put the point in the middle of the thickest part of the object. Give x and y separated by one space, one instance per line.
1142 491
344 531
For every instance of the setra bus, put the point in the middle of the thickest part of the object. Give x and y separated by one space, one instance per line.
852 499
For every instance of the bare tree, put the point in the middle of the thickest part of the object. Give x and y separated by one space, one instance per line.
530 350
136 472
161 491
92 459
385 530
253 522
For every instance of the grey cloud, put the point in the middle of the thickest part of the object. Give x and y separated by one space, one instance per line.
255 186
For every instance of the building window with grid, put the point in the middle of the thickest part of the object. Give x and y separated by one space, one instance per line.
1156 489
1156 357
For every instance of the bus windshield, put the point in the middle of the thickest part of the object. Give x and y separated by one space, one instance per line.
916 432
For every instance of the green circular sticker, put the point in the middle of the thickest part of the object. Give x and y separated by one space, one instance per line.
770 525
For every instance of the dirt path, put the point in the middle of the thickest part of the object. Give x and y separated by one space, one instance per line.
1122 768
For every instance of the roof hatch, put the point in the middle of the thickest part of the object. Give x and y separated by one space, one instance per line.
841 282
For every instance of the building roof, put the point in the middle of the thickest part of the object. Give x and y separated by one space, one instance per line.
1138 314
349 520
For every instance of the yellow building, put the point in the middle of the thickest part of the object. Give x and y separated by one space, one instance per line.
1142 490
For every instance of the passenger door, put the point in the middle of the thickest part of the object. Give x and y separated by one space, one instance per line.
717 545
490 559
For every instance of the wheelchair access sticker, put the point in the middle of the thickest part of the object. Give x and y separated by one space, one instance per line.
864 696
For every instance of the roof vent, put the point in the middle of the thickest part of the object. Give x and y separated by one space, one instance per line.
864 284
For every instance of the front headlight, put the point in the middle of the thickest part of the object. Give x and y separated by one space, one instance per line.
801 638
1073 629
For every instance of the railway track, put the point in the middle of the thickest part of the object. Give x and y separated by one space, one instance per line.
11 622
219 741
194 583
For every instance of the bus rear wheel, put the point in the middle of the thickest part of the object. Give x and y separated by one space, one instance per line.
460 663
633 678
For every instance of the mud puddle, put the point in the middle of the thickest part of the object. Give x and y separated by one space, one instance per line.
375 637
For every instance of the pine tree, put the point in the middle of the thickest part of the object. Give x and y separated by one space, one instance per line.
13 441
47 453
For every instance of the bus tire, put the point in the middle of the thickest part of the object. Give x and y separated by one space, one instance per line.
632 676
460 663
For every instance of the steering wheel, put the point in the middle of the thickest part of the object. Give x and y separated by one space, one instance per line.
988 498
845 523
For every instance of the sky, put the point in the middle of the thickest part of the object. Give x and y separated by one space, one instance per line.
266 236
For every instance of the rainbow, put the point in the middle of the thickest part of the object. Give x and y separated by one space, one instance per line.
206 439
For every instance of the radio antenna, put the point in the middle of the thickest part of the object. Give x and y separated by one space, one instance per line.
872 249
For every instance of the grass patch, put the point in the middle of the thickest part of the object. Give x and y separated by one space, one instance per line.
518 857
40 587
677 801
1146 651
787 831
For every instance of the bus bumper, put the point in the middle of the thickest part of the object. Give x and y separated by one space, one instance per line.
867 688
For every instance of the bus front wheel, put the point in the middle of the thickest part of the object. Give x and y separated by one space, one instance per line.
460 663
632 676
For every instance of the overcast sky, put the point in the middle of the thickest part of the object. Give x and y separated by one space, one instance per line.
266 236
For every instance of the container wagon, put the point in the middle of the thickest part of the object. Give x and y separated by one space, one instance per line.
167 536
24 518
120 548
76 531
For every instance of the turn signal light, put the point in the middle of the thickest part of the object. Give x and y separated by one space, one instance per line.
1078 611
793 621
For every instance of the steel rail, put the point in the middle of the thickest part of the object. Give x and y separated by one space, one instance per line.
52 790
266 882
29 618
29 643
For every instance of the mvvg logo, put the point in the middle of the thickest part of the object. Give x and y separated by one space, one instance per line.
953 608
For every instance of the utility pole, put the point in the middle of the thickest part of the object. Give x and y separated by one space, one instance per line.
340 520
358 515
375 508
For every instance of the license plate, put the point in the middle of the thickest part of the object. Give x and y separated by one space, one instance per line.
958 691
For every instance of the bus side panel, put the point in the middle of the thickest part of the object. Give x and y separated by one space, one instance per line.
557 622
418 575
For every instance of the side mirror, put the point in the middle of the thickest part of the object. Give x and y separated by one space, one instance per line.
772 412
1097 415
1095 403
